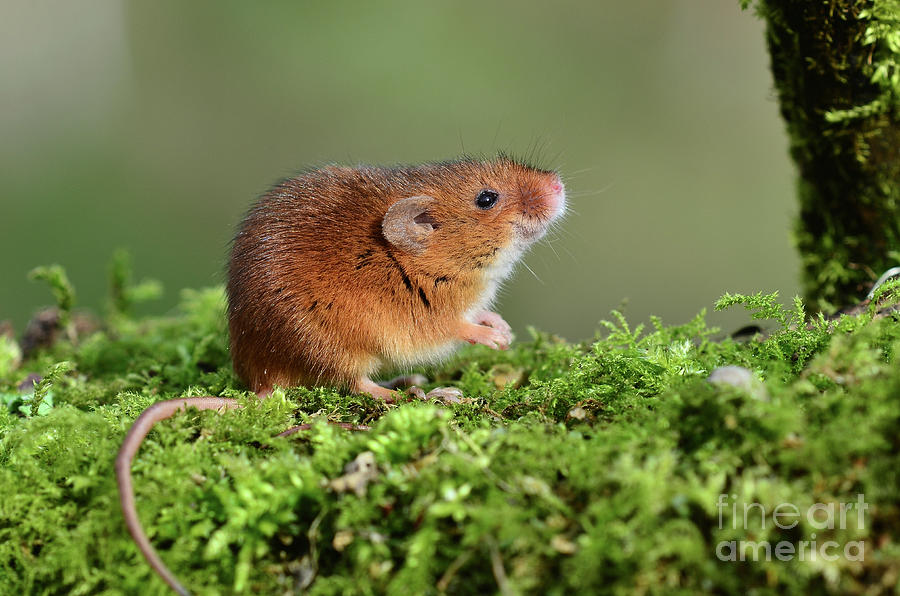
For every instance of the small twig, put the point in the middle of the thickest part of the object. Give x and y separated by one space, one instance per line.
313 557
451 571
497 568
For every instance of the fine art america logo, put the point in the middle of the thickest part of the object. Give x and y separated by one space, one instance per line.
825 517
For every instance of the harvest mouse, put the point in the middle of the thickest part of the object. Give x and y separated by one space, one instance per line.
343 271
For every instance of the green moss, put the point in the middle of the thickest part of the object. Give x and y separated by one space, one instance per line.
63 292
10 355
573 468
125 295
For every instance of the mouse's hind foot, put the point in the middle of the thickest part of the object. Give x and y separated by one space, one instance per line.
367 385
385 390
404 381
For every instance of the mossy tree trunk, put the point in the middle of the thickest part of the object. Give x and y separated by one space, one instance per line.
835 65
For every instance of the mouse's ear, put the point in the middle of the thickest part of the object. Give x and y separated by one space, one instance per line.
407 224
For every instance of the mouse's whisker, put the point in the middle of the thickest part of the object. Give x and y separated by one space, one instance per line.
569 252
530 270
573 173
553 248
589 193
555 161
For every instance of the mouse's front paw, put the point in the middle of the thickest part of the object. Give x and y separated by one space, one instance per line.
492 319
487 336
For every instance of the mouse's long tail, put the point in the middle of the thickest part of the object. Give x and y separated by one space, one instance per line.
131 444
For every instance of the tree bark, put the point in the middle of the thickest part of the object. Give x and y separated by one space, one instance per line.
835 68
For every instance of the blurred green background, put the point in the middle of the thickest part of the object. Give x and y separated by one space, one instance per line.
154 125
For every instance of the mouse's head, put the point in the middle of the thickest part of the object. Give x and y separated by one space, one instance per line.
474 214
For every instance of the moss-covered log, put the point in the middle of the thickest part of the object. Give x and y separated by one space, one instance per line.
835 66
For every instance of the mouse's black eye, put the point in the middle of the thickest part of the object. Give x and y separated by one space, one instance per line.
486 199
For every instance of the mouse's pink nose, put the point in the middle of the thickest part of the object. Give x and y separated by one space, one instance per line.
557 198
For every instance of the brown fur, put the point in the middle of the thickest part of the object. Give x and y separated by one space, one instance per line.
317 295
